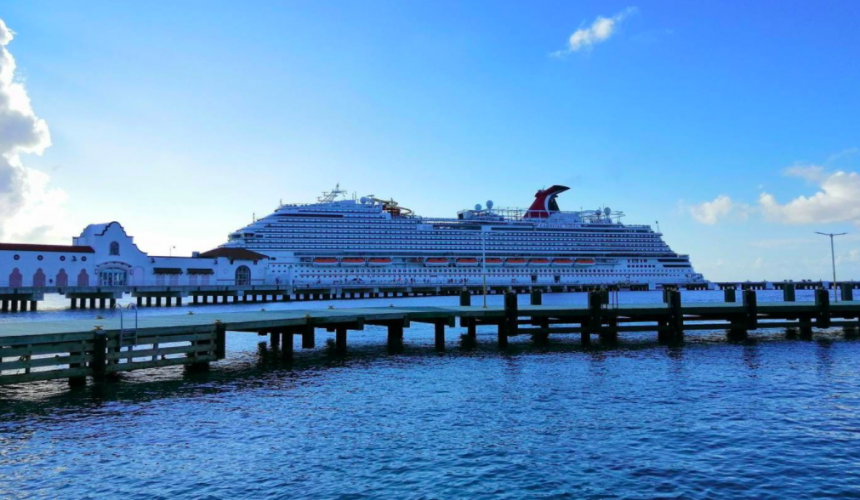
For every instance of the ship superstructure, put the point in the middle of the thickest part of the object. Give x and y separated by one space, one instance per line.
369 240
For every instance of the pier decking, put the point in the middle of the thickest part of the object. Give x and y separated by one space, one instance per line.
31 351
22 299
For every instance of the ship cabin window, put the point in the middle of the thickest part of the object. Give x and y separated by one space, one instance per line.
114 248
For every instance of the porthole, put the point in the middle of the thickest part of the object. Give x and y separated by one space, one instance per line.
84 259
39 257
63 258
17 257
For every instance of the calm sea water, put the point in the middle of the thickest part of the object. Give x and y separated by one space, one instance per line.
766 418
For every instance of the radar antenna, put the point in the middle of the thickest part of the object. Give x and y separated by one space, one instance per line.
330 196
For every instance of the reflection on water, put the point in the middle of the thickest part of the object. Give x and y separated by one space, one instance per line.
769 417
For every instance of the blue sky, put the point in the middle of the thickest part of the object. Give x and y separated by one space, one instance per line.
182 119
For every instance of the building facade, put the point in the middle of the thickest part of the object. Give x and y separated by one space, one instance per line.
105 255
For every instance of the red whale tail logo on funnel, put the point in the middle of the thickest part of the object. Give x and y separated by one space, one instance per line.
545 203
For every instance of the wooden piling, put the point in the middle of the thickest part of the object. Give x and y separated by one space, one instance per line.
847 290
508 325
465 298
730 294
822 301
99 362
536 298
340 340
220 340
308 340
751 309
274 339
789 293
676 316
287 346
439 331
395 333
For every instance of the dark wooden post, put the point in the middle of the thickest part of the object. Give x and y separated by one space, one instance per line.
751 307
220 340
340 340
274 339
34 305
663 333
847 291
676 315
439 331
822 301
73 306
14 305
508 325
99 366
308 340
24 304
287 345
395 333
465 298
789 293
536 298
730 294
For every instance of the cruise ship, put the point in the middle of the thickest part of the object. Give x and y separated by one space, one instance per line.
342 240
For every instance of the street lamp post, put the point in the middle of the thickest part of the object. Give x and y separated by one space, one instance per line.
484 263
833 260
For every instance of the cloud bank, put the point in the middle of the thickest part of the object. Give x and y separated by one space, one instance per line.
837 199
600 30
21 132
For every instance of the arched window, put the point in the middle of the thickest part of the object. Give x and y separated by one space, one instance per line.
114 248
243 275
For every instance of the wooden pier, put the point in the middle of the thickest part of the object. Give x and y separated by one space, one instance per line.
31 351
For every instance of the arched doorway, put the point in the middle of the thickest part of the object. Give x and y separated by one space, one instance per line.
62 278
83 278
39 278
243 275
16 279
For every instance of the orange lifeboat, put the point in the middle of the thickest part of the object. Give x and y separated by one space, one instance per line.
562 262
436 262
539 262
325 261
352 261
494 261
379 261
516 262
467 261
585 262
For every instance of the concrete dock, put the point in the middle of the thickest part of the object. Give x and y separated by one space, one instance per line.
31 351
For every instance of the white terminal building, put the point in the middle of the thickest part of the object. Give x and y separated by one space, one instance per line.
105 255
342 241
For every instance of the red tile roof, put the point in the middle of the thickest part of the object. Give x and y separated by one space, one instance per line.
25 247
233 254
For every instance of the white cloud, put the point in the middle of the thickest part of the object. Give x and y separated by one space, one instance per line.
711 212
837 200
600 30
22 190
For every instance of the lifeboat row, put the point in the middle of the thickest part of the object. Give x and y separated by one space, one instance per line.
352 261
461 262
